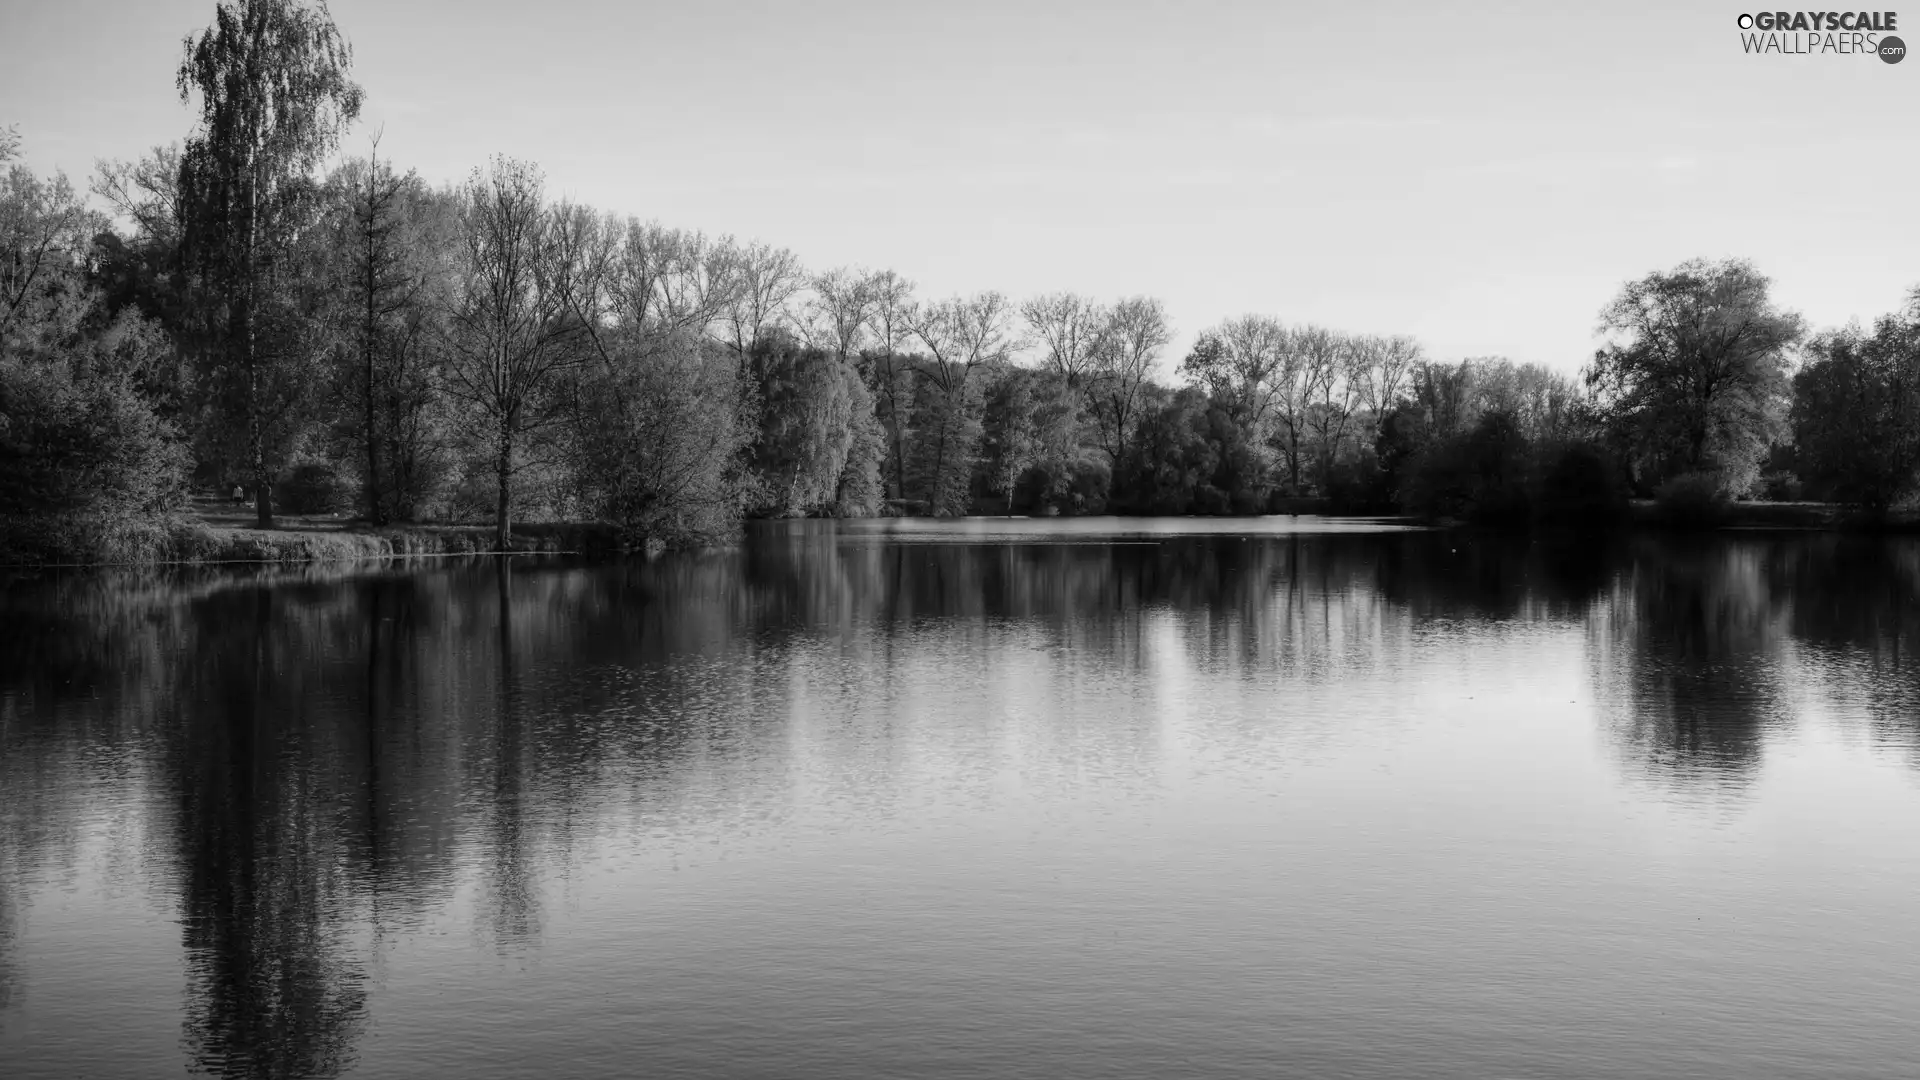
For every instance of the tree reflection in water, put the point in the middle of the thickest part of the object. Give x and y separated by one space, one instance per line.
326 757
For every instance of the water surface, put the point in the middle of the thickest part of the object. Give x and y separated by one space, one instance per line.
987 798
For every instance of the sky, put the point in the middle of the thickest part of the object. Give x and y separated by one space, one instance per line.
1484 177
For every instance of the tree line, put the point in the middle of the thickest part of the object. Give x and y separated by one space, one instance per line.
353 339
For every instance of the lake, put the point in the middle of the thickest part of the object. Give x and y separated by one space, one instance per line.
1096 798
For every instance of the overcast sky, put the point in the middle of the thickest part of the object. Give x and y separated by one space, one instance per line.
1482 176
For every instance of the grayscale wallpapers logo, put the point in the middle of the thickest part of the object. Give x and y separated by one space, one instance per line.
1826 33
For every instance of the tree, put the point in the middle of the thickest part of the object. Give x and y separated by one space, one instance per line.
1328 359
512 332
812 404
1856 413
1254 375
44 232
1695 376
382 287
273 81
87 466
659 440
1136 332
1382 368
962 336
892 377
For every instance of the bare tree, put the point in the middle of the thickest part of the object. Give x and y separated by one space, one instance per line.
1136 331
1328 359
765 279
1068 328
1383 367
145 192
841 311
672 281
1240 363
963 334
513 334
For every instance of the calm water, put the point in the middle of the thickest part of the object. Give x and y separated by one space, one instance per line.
995 799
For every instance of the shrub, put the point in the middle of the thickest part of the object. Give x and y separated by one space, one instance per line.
1693 500
88 472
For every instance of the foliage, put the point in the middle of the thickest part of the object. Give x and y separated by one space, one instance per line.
658 442
1695 380
89 470
1693 500
1480 475
486 352
1856 414
272 78
813 410
388 232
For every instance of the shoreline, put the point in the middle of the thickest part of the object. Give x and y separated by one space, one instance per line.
202 539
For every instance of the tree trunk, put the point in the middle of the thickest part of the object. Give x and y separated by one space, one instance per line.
257 440
376 506
503 521
262 499
376 511
256 435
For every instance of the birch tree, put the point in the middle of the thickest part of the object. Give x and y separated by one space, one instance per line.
272 80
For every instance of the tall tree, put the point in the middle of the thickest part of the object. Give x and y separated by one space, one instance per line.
892 327
1331 393
382 286
1695 376
272 77
513 332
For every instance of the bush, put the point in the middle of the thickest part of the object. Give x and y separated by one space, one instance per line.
88 472
314 488
1781 486
1693 500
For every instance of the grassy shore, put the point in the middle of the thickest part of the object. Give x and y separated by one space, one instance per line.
220 532
223 532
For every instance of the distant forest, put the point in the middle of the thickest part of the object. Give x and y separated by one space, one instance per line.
348 339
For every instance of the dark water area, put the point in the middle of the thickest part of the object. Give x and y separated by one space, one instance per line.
994 799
